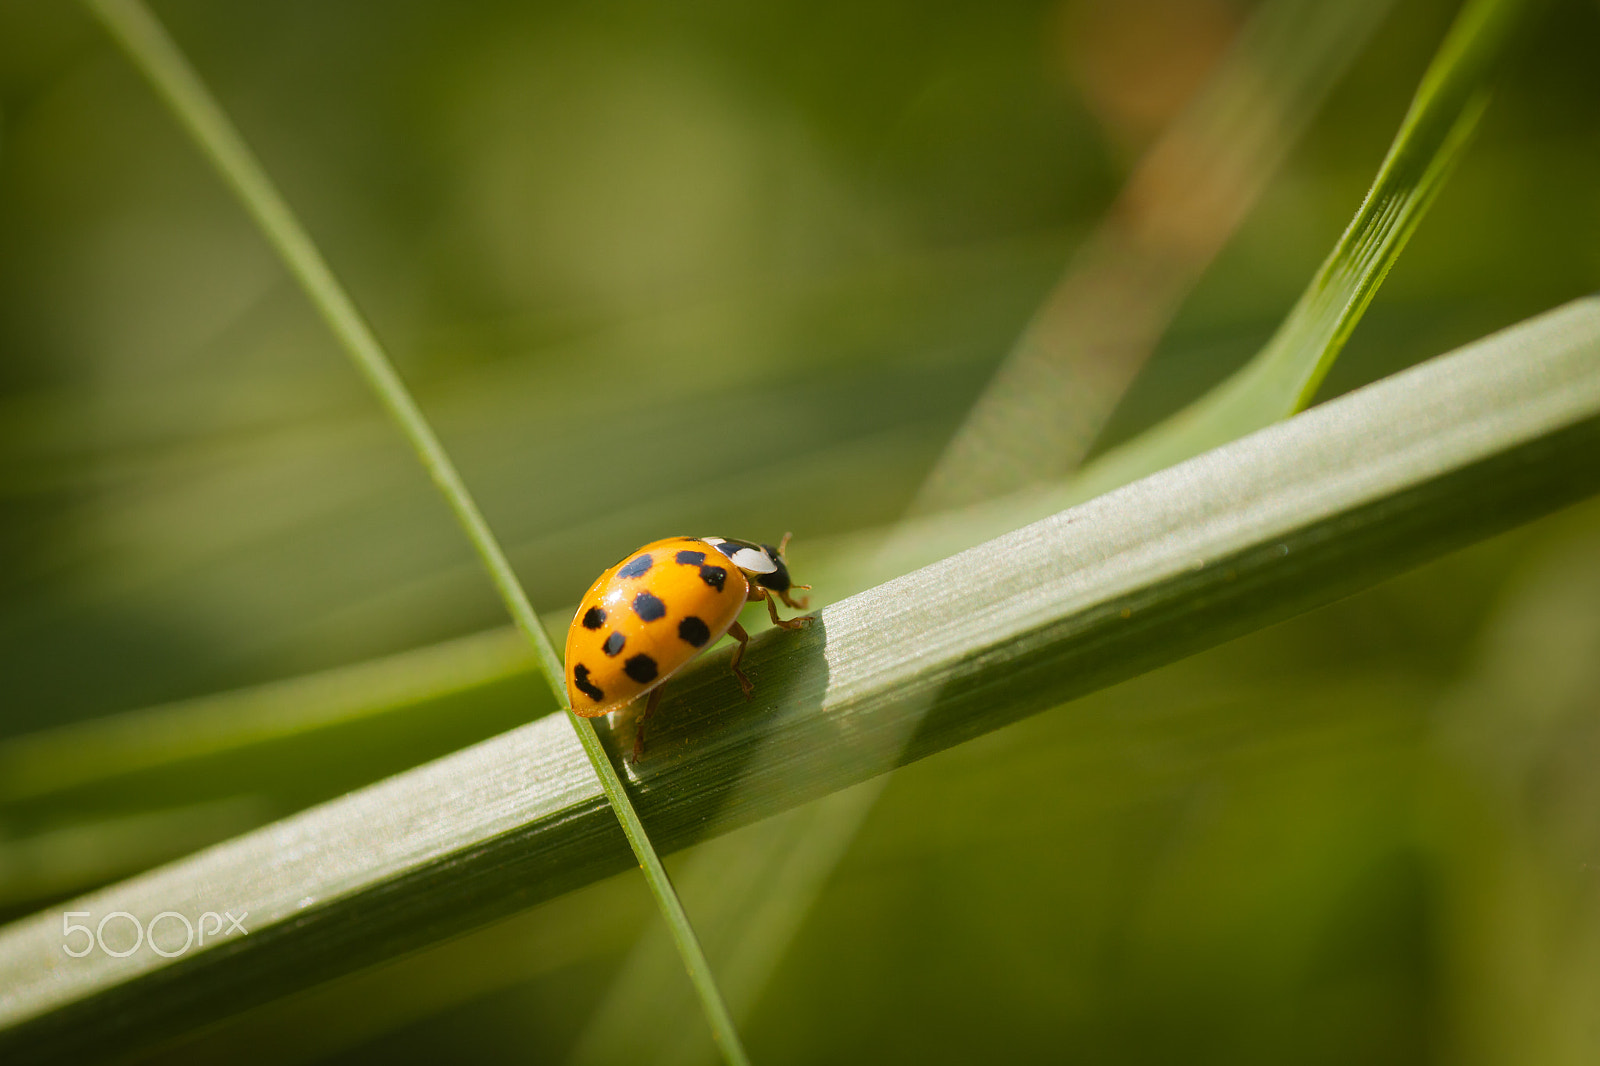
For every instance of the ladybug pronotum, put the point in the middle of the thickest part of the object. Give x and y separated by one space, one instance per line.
645 618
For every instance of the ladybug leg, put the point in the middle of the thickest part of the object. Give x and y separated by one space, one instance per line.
737 632
638 725
772 608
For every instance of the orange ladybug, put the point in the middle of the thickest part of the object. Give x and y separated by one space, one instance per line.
644 619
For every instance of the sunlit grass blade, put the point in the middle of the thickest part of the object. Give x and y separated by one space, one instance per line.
1053 395
1303 512
158 57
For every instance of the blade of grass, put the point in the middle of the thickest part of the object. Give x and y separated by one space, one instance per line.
1283 377
158 57
1298 514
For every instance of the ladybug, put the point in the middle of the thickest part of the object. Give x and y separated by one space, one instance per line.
645 618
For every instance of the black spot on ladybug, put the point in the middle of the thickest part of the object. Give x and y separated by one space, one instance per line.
613 644
648 607
641 668
694 631
594 618
689 558
638 567
580 677
713 576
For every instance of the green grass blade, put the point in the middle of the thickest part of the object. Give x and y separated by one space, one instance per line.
1303 512
1282 378
176 82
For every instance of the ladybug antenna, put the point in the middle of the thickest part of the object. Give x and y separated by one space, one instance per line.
784 543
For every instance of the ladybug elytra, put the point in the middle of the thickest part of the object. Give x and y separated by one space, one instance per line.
644 619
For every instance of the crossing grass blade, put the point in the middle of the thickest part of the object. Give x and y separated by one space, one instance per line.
158 57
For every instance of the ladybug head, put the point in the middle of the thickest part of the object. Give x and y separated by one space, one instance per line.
761 563
778 578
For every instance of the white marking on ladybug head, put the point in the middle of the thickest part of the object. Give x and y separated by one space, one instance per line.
751 558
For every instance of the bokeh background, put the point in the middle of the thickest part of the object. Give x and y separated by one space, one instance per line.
721 268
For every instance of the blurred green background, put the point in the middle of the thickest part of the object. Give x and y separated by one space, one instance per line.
715 268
